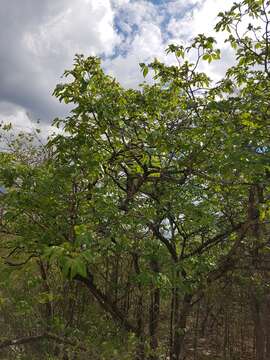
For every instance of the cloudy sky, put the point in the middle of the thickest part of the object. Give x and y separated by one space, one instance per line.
38 40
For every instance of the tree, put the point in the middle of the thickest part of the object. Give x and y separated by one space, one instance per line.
151 194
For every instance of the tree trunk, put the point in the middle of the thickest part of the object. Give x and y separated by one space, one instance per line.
267 327
180 328
140 353
48 305
258 329
172 313
154 315
174 321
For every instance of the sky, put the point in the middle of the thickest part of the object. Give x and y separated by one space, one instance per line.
39 38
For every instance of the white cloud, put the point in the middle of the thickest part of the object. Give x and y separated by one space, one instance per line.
48 34
145 45
42 44
119 3
21 120
137 13
201 19
15 115
186 20
82 26
176 7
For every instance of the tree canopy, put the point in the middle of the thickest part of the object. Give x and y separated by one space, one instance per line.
147 205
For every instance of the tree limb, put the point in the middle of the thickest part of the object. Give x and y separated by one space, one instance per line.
33 338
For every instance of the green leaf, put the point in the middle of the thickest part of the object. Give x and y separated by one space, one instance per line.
145 71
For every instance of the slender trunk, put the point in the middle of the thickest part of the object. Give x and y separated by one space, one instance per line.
107 273
48 305
267 327
175 303
225 336
258 329
175 319
115 280
172 322
195 339
179 331
140 353
72 305
204 322
154 315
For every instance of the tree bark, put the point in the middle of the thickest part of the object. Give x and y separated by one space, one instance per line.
107 304
258 328
267 327
154 314
46 286
140 354
180 329
33 338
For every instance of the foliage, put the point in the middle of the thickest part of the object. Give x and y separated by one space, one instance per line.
151 194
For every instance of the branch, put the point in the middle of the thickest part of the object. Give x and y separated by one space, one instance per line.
212 241
166 242
33 338
21 263
106 303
